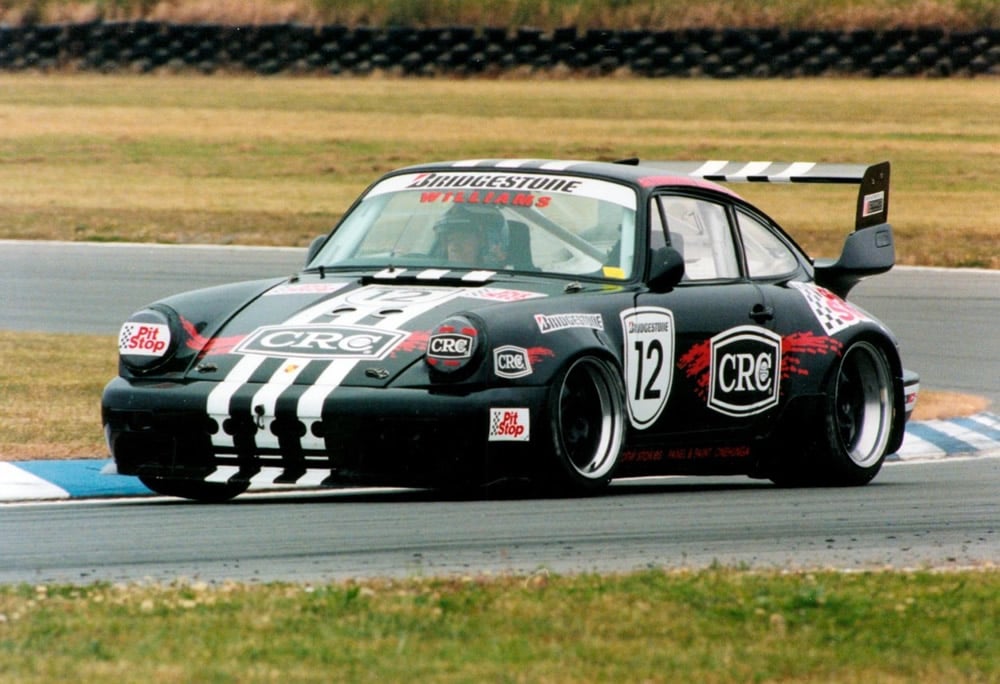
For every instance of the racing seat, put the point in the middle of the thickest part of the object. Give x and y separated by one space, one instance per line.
519 247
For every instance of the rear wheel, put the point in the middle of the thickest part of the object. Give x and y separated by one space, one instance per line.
586 409
857 425
859 422
198 490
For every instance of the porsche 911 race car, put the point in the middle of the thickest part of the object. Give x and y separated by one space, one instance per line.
558 322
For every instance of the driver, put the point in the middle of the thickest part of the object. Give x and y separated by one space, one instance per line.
473 236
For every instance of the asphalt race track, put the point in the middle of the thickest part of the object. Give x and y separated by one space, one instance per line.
912 516
943 513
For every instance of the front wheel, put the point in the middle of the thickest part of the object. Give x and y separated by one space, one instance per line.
587 420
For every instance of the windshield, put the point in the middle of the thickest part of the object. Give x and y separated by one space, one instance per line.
492 220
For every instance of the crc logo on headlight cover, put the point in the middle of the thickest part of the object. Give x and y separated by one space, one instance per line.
320 342
745 368
511 362
452 345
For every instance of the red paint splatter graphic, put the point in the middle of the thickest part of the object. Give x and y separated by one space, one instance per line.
537 354
797 345
204 345
695 365
697 361
416 341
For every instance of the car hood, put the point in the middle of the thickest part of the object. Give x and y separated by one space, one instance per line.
311 329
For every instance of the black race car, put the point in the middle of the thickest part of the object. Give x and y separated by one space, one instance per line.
558 322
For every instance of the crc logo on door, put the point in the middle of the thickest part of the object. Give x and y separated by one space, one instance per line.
744 374
320 342
649 361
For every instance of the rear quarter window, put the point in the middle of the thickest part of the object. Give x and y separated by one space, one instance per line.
766 254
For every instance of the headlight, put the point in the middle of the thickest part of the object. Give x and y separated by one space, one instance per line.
146 340
454 345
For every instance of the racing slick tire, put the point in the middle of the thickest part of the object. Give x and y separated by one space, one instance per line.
587 424
197 490
857 424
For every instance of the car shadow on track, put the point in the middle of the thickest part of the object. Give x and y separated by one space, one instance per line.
506 491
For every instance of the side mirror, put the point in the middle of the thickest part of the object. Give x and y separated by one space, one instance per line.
866 252
666 268
314 248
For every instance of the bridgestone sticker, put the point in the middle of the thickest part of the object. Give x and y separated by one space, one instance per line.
745 371
649 362
553 322
495 187
305 289
320 342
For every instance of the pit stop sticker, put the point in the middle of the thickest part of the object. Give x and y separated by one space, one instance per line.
144 339
510 425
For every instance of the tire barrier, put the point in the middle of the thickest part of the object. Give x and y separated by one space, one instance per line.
145 46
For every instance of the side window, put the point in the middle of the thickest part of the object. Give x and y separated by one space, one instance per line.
767 256
699 230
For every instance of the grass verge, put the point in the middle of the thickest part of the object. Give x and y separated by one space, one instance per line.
657 626
52 407
275 161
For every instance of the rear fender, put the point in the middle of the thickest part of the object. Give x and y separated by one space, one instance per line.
874 336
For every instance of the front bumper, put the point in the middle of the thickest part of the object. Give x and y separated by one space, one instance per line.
385 436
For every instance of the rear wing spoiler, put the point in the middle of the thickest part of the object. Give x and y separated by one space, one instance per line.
873 193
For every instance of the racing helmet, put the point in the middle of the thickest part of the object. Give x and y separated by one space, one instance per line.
486 221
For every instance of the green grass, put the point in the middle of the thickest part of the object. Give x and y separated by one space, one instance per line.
53 405
658 626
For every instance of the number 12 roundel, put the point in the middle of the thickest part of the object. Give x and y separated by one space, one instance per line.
649 361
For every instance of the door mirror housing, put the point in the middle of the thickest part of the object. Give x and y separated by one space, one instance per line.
314 248
666 268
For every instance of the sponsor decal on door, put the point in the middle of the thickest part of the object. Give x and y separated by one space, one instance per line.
745 371
649 361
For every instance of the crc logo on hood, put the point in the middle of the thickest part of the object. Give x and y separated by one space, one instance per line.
320 342
746 367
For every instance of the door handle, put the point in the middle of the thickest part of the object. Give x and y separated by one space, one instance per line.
761 313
